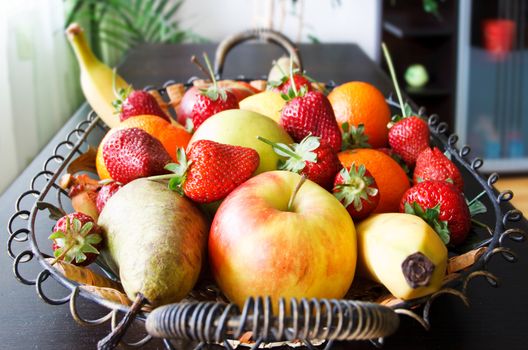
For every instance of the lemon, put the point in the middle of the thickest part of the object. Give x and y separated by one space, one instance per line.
268 103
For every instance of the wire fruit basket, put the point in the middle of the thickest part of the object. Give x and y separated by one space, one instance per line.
205 317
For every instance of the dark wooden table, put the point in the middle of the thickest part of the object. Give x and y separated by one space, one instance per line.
497 318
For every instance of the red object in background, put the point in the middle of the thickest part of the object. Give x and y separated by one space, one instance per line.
498 36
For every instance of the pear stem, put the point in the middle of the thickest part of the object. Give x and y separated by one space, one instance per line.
210 69
393 76
295 191
292 81
200 66
279 147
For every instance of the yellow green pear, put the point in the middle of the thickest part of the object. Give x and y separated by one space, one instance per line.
155 239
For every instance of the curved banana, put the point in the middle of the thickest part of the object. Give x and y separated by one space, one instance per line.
96 78
402 252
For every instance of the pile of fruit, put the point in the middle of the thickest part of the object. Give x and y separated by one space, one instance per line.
273 188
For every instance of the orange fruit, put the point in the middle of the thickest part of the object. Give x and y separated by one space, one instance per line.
357 103
171 136
390 177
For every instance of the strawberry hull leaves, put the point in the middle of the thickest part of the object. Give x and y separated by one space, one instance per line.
357 190
430 215
354 137
318 162
76 239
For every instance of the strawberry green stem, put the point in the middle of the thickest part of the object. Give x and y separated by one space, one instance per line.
210 69
393 76
194 60
161 177
291 78
295 191
477 197
479 223
279 147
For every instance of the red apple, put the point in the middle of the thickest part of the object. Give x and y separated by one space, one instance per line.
184 109
260 247
239 88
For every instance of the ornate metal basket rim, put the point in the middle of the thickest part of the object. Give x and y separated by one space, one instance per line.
438 131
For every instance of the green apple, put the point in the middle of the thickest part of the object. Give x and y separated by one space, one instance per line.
416 75
260 245
241 128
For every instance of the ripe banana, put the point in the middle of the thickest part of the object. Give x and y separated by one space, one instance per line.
96 78
402 252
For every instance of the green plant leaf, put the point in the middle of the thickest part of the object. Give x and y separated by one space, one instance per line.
354 137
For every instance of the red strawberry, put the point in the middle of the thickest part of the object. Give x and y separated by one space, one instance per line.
442 206
211 170
76 239
357 190
432 164
317 161
310 113
284 85
132 153
104 194
138 103
408 137
211 101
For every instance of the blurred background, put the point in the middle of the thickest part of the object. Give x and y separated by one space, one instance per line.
462 59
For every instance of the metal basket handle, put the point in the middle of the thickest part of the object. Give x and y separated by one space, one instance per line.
262 34
322 319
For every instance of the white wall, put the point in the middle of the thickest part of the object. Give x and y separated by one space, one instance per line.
355 21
